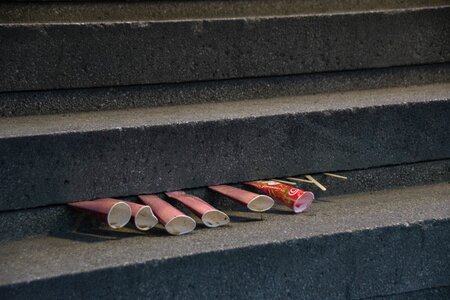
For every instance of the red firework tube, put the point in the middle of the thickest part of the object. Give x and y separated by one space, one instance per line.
253 201
293 198
174 221
142 216
111 211
209 215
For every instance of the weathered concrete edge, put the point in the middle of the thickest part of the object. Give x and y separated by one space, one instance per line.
359 264
41 12
99 99
433 293
91 55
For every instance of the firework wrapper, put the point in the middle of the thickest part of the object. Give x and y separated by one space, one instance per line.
175 222
142 216
254 202
293 198
209 215
111 211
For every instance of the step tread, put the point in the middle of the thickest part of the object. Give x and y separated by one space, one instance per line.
122 97
58 159
206 112
14 225
52 256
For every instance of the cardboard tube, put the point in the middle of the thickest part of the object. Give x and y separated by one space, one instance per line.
209 215
293 198
253 201
174 221
113 212
142 216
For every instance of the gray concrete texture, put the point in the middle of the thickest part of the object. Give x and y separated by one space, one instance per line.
387 243
74 55
121 97
62 158
437 293
101 11
60 219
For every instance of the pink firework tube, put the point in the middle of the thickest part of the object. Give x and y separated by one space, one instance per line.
174 221
142 216
293 198
254 202
209 215
111 211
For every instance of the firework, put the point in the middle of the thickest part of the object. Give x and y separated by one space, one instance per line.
254 202
293 198
174 221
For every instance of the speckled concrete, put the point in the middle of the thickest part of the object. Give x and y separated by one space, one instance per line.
352 247
74 55
120 97
57 159
101 11
58 219
434 293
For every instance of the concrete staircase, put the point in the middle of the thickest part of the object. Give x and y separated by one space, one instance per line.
347 247
121 98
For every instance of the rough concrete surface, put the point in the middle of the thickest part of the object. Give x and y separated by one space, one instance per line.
74 55
101 11
58 219
436 293
347 247
57 159
120 97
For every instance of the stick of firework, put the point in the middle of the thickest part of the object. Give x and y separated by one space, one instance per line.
285 181
174 221
142 216
113 212
318 184
300 179
293 198
253 201
310 180
335 176
209 215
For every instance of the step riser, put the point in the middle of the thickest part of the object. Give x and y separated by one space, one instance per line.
57 220
49 56
63 167
367 263
99 99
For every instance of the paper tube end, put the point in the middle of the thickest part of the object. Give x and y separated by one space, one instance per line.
180 225
215 218
260 203
303 202
119 215
145 219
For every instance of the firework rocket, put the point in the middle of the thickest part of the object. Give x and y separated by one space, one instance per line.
174 221
254 202
209 215
293 198
111 211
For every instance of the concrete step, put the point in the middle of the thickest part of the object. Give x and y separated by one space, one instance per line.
91 53
393 244
64 11
121 97
61 158
59 219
